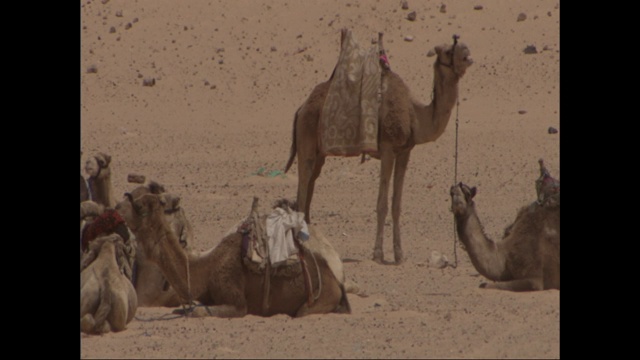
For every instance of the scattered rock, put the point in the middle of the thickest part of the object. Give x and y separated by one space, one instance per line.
92 69
530 49
405 5
149 82
443 8
136 178
438 260
135 20
552 130
273 49
408 38
104 1
522 112
522 17
119 13
431 53
128 26
478 7
411 16
112 30
221 61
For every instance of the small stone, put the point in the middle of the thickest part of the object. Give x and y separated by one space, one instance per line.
411 16
128 26
119 13
522 112
552 130
273 49
112 30
443 8
136 178
221 61
408 38
431 53
478 7
522 17
438 260
530 49
92 69
149 82
405 5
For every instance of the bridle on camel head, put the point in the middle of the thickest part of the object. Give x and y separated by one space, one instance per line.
453 52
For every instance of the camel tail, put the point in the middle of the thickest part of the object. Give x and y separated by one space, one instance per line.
292 155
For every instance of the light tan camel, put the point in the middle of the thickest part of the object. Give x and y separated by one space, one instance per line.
219 279
403 123
151 286
100 179
108 301
84 187
526 258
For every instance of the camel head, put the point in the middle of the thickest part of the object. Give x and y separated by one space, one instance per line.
98 165
461 198
455 57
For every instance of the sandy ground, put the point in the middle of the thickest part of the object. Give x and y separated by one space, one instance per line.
229 76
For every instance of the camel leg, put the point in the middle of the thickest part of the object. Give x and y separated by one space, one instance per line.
386 167
399 171
531 284
312 183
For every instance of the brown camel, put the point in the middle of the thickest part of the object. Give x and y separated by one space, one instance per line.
108 301
403 123
526 258
100 188
219 279
151 286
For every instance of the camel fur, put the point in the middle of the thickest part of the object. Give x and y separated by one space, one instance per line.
403 123
527 258
219 279
99 170
108 301
151 286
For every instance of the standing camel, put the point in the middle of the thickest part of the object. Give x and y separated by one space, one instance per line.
403 123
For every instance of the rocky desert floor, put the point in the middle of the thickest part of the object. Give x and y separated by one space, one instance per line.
200 96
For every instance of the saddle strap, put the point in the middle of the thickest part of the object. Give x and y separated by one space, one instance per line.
305 273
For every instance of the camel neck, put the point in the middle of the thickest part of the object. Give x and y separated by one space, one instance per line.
432 119
483 252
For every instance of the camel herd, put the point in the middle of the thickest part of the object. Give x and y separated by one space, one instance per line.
137 252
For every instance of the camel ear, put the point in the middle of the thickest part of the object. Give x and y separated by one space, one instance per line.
473 192
175 202
438 49
155 187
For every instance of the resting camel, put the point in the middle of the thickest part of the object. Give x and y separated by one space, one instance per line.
403 123
219 279
526 258
151 286
100 188
108 301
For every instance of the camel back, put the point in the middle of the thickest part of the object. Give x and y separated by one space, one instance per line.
349 119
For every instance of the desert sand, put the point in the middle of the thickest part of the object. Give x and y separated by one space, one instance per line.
215 128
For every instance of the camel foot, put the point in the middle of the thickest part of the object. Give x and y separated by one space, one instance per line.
399 258
378 256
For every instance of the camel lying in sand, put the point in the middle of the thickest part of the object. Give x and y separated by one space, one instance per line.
526 258
151 286
219 279
108 301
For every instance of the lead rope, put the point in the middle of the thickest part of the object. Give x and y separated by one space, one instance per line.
455 168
